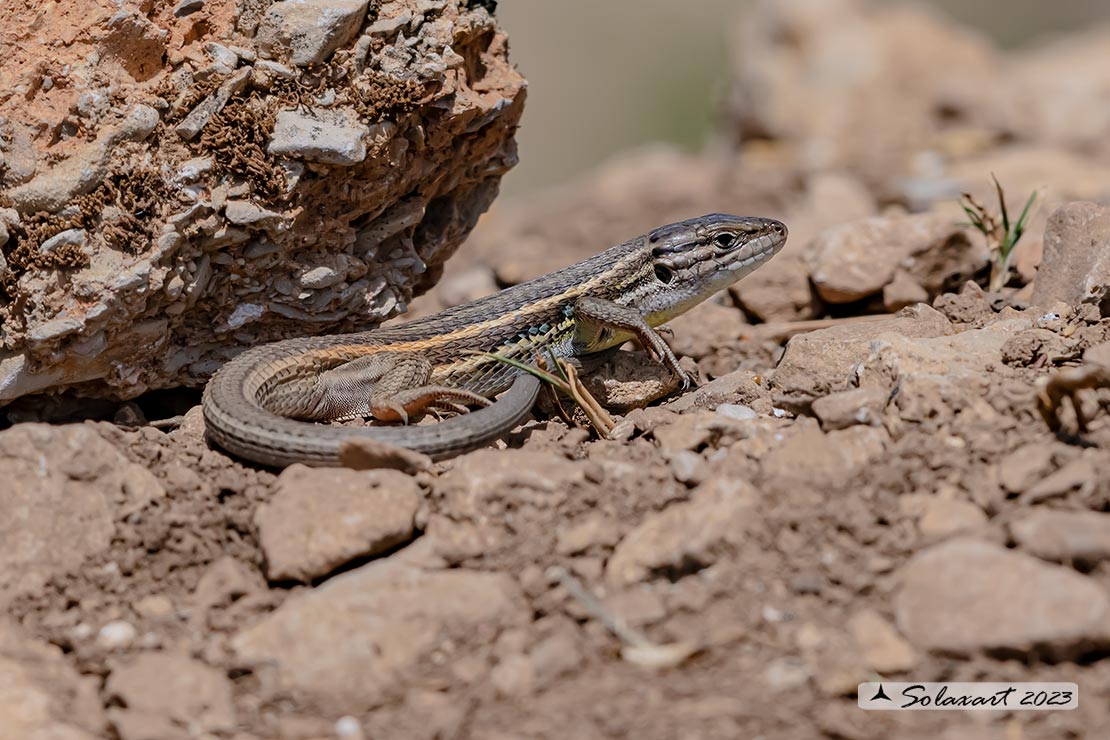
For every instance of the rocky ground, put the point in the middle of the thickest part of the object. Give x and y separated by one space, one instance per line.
864 485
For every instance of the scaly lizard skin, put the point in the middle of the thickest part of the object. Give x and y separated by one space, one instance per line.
261 405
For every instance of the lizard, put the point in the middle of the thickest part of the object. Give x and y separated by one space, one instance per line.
263 404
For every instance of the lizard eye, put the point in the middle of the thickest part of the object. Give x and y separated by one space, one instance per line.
724 241
663 273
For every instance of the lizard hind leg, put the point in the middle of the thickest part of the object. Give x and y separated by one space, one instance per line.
345 392
399 406
388 386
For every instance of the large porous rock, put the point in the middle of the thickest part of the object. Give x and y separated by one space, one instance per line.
176 186
1076 264
64 488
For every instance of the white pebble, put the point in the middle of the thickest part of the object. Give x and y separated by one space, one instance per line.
116 634
737 411
348 728
773 615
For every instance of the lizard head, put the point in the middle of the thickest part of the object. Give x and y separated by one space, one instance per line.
691 260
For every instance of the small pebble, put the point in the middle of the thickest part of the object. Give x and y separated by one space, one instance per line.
116 635
773 615
154 606
786 673
737 411
688 467
348 728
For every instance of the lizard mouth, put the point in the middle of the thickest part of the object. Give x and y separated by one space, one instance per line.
752 253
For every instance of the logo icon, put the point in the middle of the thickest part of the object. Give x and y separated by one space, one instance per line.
880 694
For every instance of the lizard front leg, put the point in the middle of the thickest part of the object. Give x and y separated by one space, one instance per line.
389 386
597 317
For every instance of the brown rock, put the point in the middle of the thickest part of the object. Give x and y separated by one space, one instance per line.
737 387
373 454
688 467
637 605
823 361
391 616
688 432
42 696
945 517
456 542
514 676
855 260
936 376
223 581
787 674
969 306
320 518
1098 354
1038 345
629 380
964 596
686 536
835 662
412 142
880 645
64 488
169 696
155 606
1080 537
818 457
579 536
903 290
1076 264
849 408
779 291
1026 465
555 655
431 715
484 481
1080 473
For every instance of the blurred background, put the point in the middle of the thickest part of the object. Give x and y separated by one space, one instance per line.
657 70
